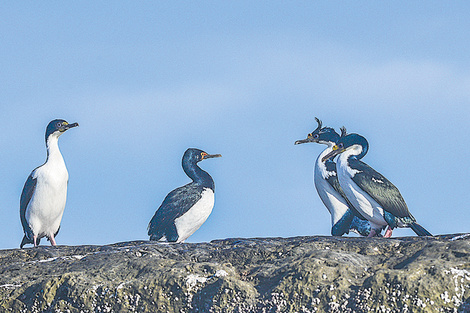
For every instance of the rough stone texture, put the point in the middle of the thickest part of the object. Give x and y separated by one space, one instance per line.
302 274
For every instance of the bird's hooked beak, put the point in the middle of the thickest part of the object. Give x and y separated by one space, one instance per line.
298 142
209 156
66 126
306 140
336 150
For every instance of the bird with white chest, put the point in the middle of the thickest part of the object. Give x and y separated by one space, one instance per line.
42 201
186 208
344 216
373 195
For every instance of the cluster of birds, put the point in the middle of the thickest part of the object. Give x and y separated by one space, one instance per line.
359 198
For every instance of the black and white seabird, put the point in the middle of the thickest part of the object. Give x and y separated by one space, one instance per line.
344 216
186 208
373 195
44 194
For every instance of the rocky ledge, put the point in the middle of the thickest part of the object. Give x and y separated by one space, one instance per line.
301 274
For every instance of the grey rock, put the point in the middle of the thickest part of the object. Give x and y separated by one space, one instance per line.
301 274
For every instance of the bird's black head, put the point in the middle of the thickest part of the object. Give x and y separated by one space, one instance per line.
325 135
193 155
356 144
190 159
58 127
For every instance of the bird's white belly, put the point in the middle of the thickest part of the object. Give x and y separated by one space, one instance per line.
330 198
189 222
46 207
363 203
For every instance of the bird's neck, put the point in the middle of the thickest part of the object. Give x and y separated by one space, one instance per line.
53 151
356 152
198 175
328 149
359 150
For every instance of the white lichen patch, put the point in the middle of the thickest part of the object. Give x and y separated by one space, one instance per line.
220 273
192 280
10 286
463 274
121 285
64 258
460 237
461 279
46 260
78 256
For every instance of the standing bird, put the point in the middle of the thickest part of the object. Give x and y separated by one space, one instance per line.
42 201
186 208
373 195
344 216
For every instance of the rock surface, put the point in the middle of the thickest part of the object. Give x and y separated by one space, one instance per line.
301 274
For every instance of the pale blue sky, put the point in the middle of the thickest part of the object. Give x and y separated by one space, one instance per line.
148 79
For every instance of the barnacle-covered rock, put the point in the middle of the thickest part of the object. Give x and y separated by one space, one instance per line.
301 274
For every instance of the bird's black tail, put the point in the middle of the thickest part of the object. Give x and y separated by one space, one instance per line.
154 231
419 230
25 240
170 233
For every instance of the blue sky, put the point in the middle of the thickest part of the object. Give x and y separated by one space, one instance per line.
146 80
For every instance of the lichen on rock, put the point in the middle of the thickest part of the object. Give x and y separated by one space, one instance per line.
301 274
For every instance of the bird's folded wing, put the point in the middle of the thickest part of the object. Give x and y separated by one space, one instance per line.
379 188
175 204
28 191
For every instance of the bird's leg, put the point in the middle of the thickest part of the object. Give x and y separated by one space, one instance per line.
52 240
35 241
388 232
372 233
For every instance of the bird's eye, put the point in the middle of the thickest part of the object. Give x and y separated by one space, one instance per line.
59 124
316 136
340 145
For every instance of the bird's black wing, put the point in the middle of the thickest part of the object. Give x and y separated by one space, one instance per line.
28 190
175 204
379 188
333 181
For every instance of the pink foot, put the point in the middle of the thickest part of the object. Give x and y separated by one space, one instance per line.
53 243
35 241
388 232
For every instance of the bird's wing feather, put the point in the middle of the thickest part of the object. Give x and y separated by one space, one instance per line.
26 195
379 188
175 204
